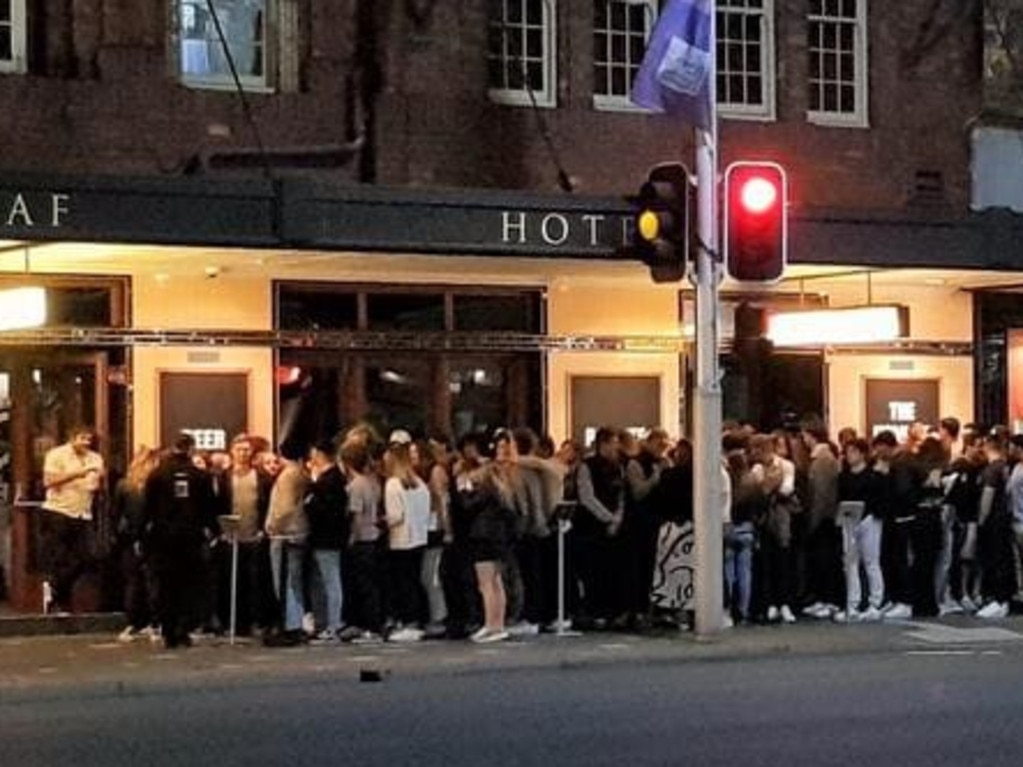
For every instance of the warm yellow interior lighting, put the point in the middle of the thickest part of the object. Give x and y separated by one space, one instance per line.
859 325
22 308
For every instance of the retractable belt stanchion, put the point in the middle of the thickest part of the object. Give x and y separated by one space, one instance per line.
564 512
229 525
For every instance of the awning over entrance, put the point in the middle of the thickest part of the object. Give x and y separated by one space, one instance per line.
304 214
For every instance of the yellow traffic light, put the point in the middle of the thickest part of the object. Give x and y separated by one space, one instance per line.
649 225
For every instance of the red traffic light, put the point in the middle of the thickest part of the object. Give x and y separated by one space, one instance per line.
755 221
758 195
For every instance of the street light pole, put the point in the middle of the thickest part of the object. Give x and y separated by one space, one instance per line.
707 478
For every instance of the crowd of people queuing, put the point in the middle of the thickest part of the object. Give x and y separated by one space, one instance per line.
364 539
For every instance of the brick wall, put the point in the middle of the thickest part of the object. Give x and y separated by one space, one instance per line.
101 100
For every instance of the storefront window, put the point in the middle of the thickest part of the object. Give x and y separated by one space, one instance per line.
429 390
515 313
309 309
405 311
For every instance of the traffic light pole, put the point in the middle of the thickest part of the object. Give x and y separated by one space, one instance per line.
707 477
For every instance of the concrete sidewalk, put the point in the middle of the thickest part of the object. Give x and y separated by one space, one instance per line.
97 664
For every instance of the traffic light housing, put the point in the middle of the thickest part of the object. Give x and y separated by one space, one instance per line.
756 221
662 222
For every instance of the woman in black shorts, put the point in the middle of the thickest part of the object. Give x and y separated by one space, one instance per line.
487 498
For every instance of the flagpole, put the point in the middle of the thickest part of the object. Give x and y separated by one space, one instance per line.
707 418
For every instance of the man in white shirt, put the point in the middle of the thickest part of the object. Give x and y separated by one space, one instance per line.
72 474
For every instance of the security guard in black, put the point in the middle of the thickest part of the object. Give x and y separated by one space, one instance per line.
179 513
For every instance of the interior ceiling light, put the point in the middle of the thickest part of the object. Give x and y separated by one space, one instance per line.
22 308
828 327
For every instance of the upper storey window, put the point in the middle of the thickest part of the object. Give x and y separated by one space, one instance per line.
12 35
621 29
745 58
837 46
521 52
202 58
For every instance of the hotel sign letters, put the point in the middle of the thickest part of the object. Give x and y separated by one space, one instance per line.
33 210
553 229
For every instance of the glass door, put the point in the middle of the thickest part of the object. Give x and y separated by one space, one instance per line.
42 396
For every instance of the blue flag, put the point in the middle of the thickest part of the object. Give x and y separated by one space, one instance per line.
675 76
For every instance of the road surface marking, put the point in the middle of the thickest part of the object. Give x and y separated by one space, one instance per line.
363 658
614 646
940 653
936 633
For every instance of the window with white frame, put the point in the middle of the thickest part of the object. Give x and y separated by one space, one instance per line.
521 52
621 29
837 46
12 36
745 58
202 58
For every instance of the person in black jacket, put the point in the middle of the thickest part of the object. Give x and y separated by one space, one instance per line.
326 508
179 512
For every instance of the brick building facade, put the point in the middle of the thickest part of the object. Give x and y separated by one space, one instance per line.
101 93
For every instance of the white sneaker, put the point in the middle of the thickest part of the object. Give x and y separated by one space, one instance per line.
129 635
491 636
899 611
816 610
786 614
968 605
309 623
727 622
482 631
325 637
840 617
523 629
406 635
871 615
950 608
155 634
773 614
994 611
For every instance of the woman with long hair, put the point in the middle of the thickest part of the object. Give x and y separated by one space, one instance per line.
486 494
407 512
128 513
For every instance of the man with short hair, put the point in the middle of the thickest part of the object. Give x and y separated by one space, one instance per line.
245 494
72 475
179 509
824 541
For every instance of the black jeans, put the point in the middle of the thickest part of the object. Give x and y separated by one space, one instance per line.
408 599
366 599
825 563
896 554
178 571
65 552
139 604
776 572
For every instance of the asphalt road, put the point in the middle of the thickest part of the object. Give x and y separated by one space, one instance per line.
880 709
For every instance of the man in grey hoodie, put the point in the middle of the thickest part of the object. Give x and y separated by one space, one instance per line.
287 527
538 490
824 542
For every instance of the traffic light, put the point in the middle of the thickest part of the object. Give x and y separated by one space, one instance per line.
756 221
662 222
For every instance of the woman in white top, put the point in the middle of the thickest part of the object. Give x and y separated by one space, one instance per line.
407 512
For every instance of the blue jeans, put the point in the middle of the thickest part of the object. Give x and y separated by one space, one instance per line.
294 603
739 567
328 564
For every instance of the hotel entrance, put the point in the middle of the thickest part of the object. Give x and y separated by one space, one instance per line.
43 394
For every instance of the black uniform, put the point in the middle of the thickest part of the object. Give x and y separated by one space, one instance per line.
179 508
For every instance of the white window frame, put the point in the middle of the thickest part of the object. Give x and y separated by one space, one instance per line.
860 117
767 111
250 83
548 96
17 63
611 103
